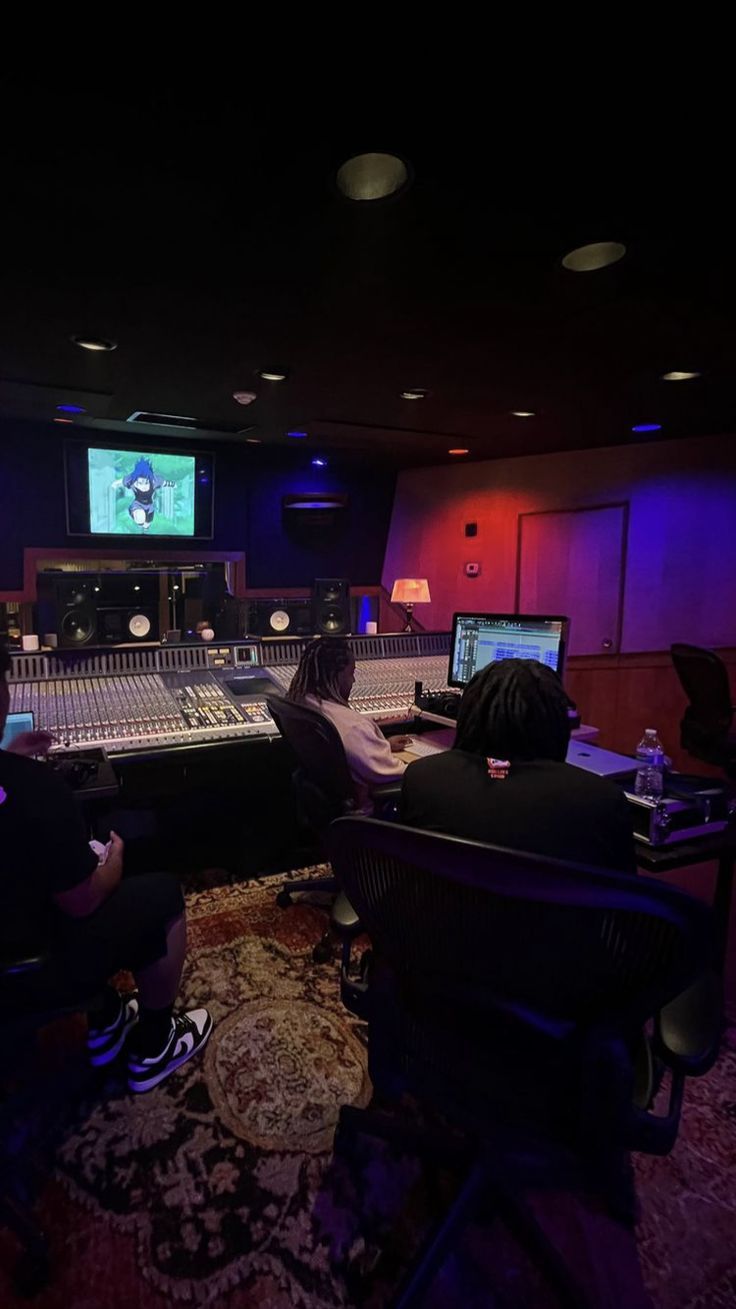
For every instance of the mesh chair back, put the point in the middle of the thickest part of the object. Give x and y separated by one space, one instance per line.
704 679
496 930
319 750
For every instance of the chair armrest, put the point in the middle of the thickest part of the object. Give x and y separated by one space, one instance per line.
687 1031
386 801
25 961
386 791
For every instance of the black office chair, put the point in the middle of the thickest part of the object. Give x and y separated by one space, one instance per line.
510 992
325 791
31 996
706 731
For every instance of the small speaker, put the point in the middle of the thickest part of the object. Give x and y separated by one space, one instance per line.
331 606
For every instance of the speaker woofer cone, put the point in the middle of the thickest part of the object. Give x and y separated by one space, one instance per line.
78 626
139 626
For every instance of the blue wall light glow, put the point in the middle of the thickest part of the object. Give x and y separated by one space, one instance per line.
647 427
297 436
71 409
319 463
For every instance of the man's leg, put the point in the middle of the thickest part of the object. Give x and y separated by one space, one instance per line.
163 1041
142 928
158 987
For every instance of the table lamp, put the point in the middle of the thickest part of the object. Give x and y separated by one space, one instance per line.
410 591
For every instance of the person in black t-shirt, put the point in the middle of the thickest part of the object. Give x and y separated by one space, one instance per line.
516 711
56 896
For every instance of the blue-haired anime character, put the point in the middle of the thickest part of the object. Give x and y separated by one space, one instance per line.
144 484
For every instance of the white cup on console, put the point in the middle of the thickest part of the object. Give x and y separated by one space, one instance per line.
371 627
30 642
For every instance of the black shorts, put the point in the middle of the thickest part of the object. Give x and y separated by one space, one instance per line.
128 932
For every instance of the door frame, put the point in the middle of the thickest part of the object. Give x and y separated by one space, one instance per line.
581 509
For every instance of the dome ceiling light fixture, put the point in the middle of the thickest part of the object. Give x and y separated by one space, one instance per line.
245 397
522 413
272 374
94 342
589 258
372 176
415 393
679 377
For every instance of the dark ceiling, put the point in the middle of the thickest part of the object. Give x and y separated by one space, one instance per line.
209 243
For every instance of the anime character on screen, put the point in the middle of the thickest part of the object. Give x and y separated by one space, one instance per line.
144 484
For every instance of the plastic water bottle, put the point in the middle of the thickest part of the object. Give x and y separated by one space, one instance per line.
650 773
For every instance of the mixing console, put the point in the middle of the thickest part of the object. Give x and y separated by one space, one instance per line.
139 711
162 698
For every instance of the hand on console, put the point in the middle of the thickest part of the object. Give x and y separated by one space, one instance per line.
31 743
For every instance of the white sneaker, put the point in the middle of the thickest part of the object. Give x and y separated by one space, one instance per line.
189 1034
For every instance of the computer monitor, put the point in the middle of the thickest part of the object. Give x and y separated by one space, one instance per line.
14 725
481 639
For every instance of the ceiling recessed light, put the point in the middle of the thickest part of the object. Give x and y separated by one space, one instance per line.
94 343
647 427
522 413
63 420
679 377
245 397
415 393
272 374
589 258
319 463
372 176
71 409
297 434
253 440
458 452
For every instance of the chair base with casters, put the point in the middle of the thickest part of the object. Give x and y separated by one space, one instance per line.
27 985
343 924
484 1184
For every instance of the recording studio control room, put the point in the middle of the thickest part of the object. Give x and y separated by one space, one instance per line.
367 684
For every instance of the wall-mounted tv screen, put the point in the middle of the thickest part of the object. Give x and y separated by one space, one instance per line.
138 491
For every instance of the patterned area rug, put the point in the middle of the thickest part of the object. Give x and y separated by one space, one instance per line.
218 1187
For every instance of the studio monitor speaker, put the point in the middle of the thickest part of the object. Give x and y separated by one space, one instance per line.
99 609
280 617
331 606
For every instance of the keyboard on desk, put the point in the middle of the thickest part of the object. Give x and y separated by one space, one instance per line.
419 747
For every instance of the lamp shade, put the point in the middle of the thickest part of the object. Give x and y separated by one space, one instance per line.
410 591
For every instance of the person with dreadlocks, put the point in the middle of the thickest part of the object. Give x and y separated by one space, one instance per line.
323 681
506 781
